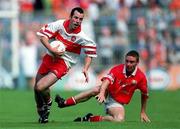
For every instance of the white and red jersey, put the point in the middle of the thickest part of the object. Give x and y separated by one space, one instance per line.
74 41
121 87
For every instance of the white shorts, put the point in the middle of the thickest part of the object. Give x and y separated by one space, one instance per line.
110 102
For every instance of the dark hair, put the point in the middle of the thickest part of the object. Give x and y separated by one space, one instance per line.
134 54
79 9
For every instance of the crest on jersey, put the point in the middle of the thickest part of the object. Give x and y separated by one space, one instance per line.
133 82
124 84
73 38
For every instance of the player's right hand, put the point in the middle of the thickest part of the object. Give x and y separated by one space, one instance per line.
100 98
144 117
56 52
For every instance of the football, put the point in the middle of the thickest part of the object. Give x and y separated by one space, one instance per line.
61 47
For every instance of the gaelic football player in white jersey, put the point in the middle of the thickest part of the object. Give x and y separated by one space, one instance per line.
55 64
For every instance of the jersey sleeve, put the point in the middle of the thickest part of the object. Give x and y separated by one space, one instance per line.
110 76
49 30
89 46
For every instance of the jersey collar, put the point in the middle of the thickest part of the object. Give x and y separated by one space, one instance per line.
133 74
66 25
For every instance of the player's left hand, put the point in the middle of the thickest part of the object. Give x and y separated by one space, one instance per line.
86 75
144 117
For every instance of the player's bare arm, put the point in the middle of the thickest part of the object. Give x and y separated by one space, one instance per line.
88 61
101 97
143 115
46 43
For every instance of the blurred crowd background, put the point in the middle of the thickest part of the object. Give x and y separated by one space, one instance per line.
150 26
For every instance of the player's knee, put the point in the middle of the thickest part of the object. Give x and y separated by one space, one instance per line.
118 118
38 87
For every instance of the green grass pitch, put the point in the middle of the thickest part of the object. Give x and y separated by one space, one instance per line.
17 111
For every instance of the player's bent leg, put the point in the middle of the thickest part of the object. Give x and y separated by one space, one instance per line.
86 95
45 82
81 97
42 95
41 88
37 94
117 114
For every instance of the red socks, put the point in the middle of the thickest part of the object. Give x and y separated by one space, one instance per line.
95 118
70 101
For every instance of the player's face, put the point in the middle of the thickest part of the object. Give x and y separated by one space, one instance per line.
76 19
131 63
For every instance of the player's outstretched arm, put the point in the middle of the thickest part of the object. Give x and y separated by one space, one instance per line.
143 115
87 63
101 97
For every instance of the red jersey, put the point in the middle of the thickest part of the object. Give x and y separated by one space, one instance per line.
121 87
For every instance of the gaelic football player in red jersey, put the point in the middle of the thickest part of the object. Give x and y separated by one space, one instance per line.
116 90
56 64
